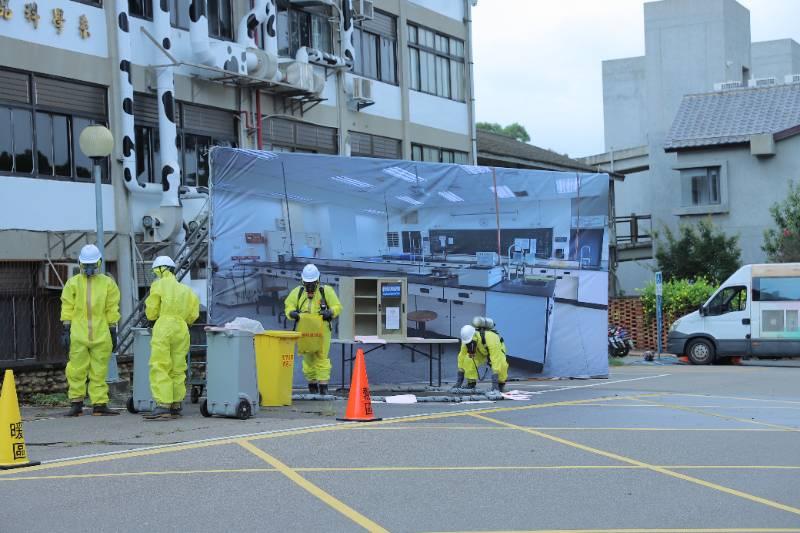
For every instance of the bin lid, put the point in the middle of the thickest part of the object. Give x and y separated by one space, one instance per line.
282 334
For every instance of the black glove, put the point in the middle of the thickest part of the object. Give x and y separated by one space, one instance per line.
65 337
327 315
460 381
113 331
294 315
495 382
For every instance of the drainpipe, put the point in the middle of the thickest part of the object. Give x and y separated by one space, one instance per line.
127 141
468 5
198 33
347 50
168 135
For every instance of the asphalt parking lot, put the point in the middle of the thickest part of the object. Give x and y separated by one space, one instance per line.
649 449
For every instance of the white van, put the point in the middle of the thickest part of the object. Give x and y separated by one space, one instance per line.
753 313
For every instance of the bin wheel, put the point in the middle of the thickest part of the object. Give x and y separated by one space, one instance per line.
131 408
195 395
243 410
204 409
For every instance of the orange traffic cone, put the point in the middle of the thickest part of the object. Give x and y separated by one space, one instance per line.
12 439
359 403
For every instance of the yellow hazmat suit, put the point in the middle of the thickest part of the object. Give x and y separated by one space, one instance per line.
494 350
316 341
174 307
91 305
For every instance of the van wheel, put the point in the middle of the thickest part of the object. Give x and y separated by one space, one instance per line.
700 352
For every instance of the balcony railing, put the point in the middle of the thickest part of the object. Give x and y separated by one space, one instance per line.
634 230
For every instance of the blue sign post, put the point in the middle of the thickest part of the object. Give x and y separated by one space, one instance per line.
659 294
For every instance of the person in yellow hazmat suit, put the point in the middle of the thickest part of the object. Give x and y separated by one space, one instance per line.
174 307
313 306
90 312
480 346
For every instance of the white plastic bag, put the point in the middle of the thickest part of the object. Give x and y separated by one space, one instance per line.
245 324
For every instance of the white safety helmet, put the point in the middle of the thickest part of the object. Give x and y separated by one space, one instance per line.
163 261
467 332
90 255
310 273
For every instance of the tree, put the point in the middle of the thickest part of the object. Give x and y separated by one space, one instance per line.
699 251
515 130
782 244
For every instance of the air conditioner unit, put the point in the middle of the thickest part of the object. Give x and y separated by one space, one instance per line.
362 89
792 78
55 275
762 82
363 9
727 85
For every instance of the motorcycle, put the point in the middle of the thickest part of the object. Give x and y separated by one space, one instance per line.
619 342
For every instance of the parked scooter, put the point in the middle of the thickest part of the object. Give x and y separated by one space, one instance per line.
619 342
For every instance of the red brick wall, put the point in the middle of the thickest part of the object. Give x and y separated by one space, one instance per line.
628 313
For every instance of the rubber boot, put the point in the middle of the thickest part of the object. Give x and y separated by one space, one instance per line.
75 409
313 388
471 384
102 409
495 382
502 385
323 389
161 412
175 410
459 381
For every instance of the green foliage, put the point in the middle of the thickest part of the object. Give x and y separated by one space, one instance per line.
698 251
782 244
514 130
680 296
614 361
58 399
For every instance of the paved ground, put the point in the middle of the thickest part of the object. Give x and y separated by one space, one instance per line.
670 448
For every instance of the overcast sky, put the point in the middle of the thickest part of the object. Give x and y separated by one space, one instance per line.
537 62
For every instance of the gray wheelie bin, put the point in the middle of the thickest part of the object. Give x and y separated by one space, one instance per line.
231 385
141 399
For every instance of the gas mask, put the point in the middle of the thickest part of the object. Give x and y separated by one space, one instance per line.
160 271
311 288
90 269
471 347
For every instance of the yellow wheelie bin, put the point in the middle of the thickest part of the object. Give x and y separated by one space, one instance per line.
275 366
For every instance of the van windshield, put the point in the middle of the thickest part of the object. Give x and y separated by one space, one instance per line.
776 289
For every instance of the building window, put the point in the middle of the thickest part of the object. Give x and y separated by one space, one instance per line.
179 14
141 9
366 145
431 154
220 17
297 28
198 129
282 135
436 62
41 140
375 43
96 3
701 186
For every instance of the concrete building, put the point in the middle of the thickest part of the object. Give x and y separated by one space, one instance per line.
382 78
690 47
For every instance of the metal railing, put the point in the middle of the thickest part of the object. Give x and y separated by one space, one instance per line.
193 249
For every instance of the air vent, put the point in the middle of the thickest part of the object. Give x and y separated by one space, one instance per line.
393 239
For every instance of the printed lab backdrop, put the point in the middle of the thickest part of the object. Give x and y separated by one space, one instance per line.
540 238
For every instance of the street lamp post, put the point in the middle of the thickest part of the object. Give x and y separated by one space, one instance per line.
97 143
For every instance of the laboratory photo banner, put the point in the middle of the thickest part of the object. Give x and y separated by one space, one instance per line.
545 233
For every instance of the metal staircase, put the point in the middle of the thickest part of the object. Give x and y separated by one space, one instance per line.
193 248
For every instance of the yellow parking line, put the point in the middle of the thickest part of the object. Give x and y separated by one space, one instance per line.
688 395
654 468
717 415
589 428
290 433
395 469
303 483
